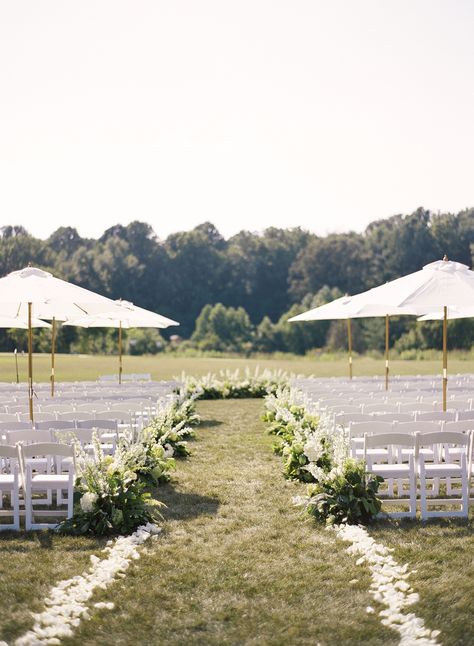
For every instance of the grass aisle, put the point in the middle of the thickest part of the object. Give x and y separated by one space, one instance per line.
237 564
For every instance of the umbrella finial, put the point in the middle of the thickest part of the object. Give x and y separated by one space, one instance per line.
445 258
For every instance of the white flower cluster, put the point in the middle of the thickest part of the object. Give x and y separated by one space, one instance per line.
389 587
67 601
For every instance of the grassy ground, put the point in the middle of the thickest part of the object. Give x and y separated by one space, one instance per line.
237 564
442 553
85 367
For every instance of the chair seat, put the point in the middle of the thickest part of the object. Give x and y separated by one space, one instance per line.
443 470
391 470
6 480
49 480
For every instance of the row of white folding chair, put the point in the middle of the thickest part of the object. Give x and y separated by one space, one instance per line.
17 472
403 459
357 430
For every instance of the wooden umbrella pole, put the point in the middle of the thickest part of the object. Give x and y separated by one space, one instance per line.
445 357
120 352
53 349
387 345
349 343
30 364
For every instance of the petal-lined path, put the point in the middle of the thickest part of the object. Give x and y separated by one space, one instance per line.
236 563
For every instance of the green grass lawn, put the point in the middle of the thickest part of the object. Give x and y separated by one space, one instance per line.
86 367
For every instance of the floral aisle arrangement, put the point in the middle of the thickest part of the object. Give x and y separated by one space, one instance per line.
228 384
316 452
113 492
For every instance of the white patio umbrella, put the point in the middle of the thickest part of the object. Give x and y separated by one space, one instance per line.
126 315
350 307
437 287
33 292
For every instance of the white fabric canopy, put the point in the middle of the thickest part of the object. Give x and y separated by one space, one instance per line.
439 284
126 315
15 322
351 307
452 313
50 297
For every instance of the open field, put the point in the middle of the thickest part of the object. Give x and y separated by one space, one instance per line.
77 367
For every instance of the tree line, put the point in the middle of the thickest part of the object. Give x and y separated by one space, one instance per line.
236 294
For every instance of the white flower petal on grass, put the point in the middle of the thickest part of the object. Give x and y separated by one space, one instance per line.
66 603
389 587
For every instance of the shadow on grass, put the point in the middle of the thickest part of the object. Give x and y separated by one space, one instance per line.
210 423
453 527
11 541
181 506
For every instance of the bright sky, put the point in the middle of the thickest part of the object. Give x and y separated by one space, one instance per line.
321 113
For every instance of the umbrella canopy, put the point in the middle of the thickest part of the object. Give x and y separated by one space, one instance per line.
32 291
49 297
125 315
452 313
15 322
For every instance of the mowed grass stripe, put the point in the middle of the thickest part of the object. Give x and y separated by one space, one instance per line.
237 564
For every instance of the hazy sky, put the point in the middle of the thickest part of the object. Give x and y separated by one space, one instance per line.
321 113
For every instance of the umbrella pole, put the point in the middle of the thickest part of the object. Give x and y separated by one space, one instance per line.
53 347
445 357
16 366
120 352
349 343
387 344
30 364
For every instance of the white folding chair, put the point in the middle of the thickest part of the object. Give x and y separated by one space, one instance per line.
445 465
54 424
8 417
383 457
10 483
39 417
59 477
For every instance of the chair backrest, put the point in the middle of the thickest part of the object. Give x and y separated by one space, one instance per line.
27 437
380 408
82 435
74 417
344 408
114 415
442 437
419 407
8 451
8 417
377 440
465 414
91 407
39 417
460 426
435 416
57 408
15 426
418 427
359 429
55 424
17 409
396 417
47 450
103 424
343 419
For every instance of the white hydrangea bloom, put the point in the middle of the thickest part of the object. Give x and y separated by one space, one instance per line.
88 501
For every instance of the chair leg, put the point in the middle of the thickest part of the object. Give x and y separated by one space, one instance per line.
15 499
412 484
424 514
28 504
